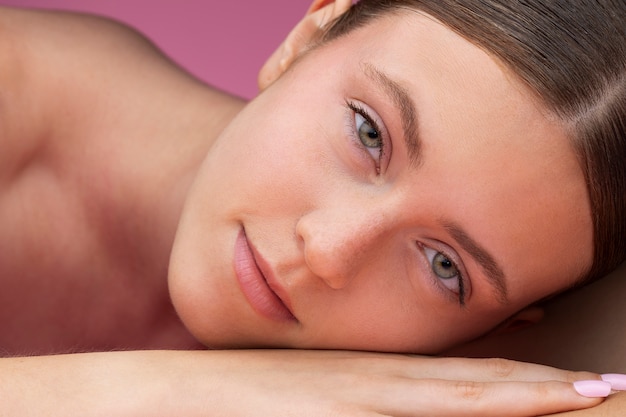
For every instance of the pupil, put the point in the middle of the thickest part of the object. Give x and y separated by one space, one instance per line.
444 267
368 130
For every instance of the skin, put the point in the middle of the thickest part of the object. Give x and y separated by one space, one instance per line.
72 171
88 222
337 224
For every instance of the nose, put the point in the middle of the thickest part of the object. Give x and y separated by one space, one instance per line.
341 242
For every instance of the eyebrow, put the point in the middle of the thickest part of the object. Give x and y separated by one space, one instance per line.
405 106
495 275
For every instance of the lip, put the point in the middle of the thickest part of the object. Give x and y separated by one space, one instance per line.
258 283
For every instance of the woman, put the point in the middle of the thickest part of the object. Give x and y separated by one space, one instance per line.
378 195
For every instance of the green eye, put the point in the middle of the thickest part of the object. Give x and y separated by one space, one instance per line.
443 267
446 272
368 135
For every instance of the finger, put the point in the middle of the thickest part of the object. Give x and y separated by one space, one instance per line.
458 369
465 398
491 369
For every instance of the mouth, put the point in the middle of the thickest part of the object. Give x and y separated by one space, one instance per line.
258 284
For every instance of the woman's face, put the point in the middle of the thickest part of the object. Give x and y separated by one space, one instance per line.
396 190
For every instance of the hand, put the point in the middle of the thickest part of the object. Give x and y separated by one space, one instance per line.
327 383
282 383
613 406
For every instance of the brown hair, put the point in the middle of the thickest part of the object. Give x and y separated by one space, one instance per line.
572 53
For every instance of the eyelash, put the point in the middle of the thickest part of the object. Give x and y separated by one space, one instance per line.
358 109
459 276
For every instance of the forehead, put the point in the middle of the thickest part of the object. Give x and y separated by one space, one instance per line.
488 143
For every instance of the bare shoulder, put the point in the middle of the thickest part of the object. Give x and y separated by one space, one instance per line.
78 95
90 112
64 81
50 63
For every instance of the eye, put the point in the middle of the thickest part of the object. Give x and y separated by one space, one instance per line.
446 271
368 134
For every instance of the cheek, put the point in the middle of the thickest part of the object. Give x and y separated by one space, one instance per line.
271 155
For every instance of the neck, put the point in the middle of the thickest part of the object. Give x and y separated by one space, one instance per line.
138 221
167 181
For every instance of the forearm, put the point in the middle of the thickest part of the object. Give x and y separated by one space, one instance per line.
127 383
279 383
92 384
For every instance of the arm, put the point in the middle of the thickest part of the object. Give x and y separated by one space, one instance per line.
280 383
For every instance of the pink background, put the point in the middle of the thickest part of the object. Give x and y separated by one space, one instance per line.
222 42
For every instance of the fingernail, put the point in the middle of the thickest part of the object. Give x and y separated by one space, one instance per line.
617 381
593 388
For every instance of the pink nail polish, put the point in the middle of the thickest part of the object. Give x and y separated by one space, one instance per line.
593 388
617 381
